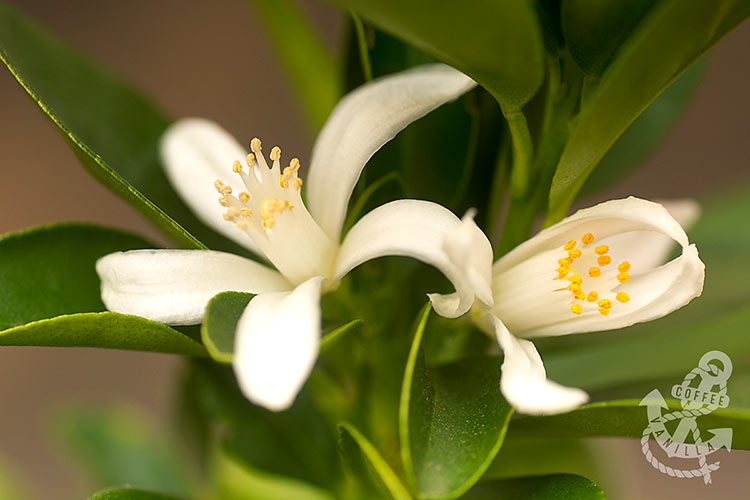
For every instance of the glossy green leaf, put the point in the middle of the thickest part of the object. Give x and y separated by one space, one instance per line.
111 128
219 325
452 420
238 481
499 44
551 487
312 70
594 30
627 418
670 38
120 446
646 133
364 459
105 330
129 494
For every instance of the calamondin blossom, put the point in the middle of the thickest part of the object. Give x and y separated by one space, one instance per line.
599 269
260 205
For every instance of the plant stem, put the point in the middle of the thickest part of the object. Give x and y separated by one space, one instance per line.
364 52
523 153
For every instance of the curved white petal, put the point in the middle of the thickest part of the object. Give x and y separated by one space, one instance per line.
196 152
523 280
277 343
524 381
174 286
411 228
362 122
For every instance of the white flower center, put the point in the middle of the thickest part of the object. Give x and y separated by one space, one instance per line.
272 213
533 295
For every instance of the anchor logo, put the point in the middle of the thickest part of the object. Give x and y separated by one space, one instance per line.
702 391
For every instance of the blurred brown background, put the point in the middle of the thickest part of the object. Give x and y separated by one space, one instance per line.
212 59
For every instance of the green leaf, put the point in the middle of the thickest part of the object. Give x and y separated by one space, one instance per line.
219 325
119 446
452 420
671 38
313 72
129 494
238 481
332 338
105 330
47 274
499 44
594 30
646 133
362 456
551 487
111 128
627 418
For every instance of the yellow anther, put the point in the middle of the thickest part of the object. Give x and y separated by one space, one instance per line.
601 249
294 164
574 254
576 309
579 294
570 245
622 297
231 214
246 213
624 267
587 238
244 197
565 262
576 280
276 153
595 272
604 260
297 183
574 287
605 304
242 224
269 222
593 295
623 277
236 167
219 185
285 205
255 145
283 181
250 160
605 312
223 201
563 269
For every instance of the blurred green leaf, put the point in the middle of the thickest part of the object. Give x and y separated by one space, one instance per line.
499 44
594 30
119 446
129 494
236 480
313 72
627 418
296 443
220 322
552 487
12 485
111 128
365 461
646 133
452 420
105 330
47 274
670 38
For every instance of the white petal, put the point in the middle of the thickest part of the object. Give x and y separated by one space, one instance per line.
195 153
174 286
621 224
362 122
411 228
277 343
524 381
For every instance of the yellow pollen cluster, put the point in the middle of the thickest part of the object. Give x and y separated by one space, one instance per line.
287 174
268 207
566 268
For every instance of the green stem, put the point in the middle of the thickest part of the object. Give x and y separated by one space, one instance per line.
499 187
523 153
364 52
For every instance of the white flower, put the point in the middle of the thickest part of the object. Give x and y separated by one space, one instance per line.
599 269
278 335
